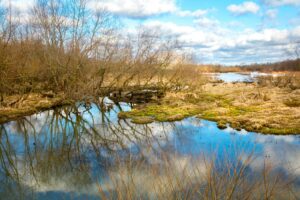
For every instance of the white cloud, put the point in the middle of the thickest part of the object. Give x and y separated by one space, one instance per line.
230 46
129 8
19 5
236 24
136 8
20 9
207 36
206 22
188 13
282 2
244 8
272 13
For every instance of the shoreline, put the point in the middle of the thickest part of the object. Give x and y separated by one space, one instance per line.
266 110
241 106
33 103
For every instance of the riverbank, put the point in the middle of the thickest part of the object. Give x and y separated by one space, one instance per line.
269 110
17 106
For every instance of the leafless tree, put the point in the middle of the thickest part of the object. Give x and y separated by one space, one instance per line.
73 47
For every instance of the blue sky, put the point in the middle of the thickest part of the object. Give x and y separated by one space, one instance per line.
226 32
214 31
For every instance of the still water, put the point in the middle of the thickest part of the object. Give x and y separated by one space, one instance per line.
238 77
71 152
235 77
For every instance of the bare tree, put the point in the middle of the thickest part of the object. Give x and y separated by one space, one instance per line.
7 33
73 47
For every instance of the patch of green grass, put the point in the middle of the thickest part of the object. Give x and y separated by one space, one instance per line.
236 111
231 111
280 131
161 112
206 97
176 117
142 120
217 108
209 115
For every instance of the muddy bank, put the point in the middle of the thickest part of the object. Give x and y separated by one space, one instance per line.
268 110
17 106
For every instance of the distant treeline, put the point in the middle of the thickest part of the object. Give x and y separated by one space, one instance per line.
287 65
216 68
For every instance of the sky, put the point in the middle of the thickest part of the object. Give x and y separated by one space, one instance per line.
215 31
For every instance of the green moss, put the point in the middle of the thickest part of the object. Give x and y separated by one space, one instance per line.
280 131
209 115
123 115
210 97
235 111
161 112
240 110
174 118
233 114
142 120
228 109
219 108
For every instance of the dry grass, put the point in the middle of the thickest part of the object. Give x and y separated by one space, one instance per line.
17 106
289 80
265 109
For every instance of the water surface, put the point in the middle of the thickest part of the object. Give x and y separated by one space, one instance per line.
240 77
68 152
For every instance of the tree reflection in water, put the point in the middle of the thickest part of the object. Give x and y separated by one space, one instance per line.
81 152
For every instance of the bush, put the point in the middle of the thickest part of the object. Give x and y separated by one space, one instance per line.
291 81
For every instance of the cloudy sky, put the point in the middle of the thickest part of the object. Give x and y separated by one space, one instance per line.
216 31
228 32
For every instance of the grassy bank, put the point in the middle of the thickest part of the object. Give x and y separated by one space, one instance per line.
268 109
17 106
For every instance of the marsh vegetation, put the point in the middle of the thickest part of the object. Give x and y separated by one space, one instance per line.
90 112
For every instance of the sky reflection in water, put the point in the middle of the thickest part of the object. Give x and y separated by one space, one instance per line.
62 153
